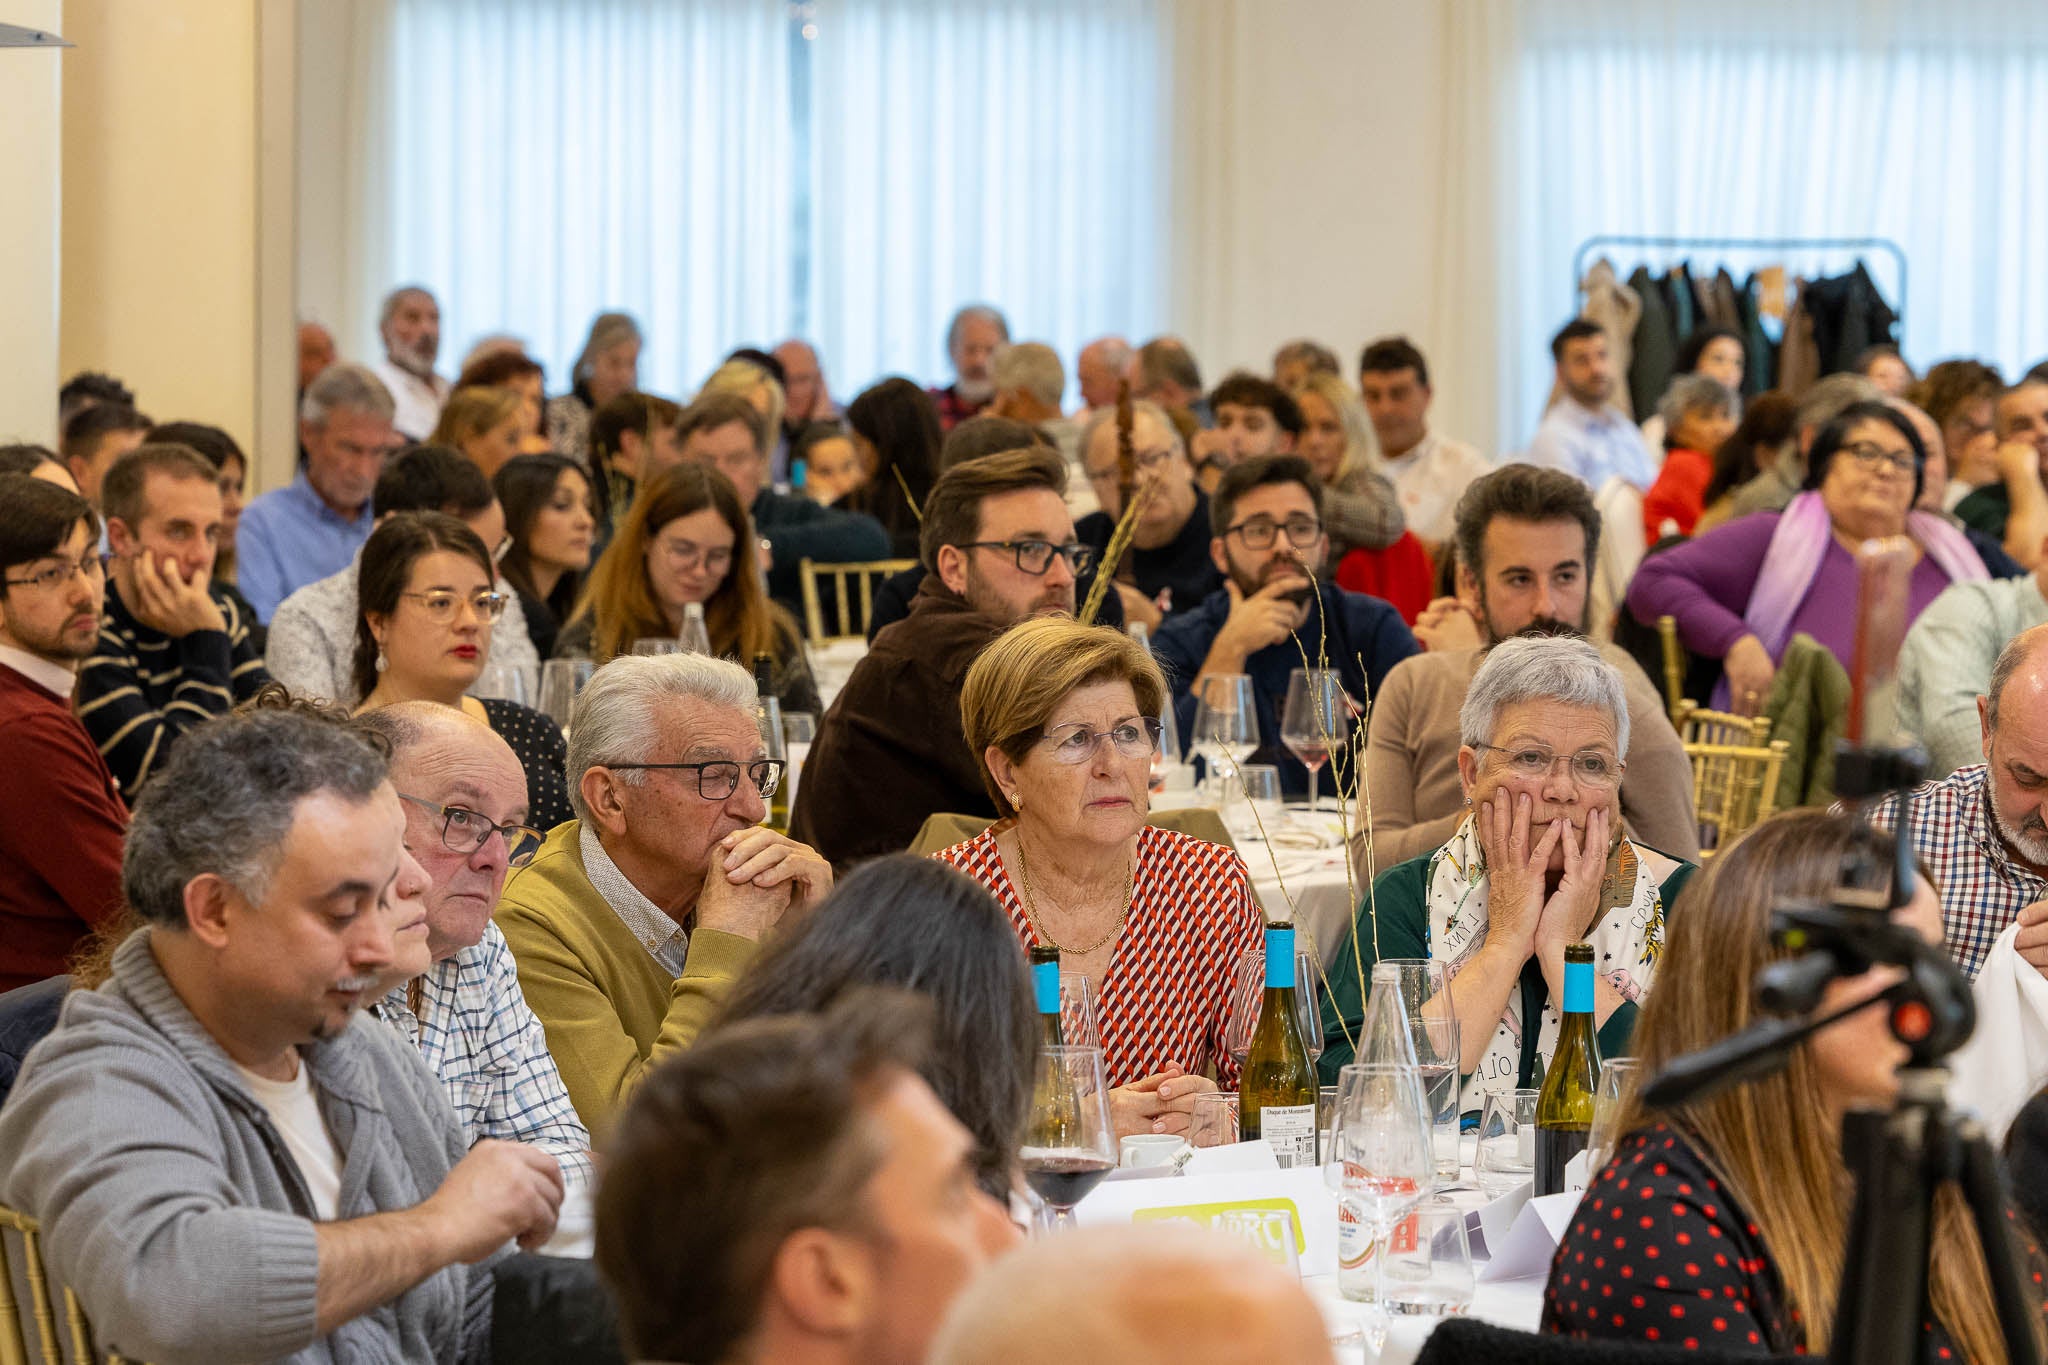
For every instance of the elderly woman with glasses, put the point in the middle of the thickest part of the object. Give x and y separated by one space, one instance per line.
1064 721
425 609
1538 862
1741 591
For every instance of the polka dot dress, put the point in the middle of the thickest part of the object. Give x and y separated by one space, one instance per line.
536 741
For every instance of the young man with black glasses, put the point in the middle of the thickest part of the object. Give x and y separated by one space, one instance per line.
1275 612
999 543
61 818
634 919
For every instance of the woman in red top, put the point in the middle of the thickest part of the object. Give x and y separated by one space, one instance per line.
1720 1223
1699 414
1064 720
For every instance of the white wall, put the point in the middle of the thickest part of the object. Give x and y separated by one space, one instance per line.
31 144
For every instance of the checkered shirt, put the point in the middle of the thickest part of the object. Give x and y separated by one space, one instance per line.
1983 887
489 1050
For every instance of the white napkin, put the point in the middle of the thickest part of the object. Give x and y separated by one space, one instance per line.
2006 1060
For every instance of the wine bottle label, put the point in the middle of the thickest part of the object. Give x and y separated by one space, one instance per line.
1290 1130
1045 978
1279 957
1578 988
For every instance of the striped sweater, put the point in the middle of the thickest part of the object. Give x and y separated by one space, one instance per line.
141 689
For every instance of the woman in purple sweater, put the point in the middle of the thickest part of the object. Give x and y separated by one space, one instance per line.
1743 590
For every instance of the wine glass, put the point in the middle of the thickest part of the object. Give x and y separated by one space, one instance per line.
1619 1077
1226 724
1438 1046
1248 992
1079 1011
1385 1160
1315 719
560 682
1069 1145
507 682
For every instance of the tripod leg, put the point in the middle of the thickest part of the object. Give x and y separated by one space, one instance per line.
2012 1287
1883 1293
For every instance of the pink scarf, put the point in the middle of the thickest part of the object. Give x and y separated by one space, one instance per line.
1800 542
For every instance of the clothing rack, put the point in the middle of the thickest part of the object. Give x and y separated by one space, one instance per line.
1870 245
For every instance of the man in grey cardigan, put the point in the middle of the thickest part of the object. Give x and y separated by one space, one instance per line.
229 1163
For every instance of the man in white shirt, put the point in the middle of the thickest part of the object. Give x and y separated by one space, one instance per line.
1429 472
1584 434
410 325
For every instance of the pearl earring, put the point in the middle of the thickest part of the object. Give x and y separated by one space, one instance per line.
384 663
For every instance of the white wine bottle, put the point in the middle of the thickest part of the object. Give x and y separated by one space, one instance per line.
1045 985
1564 1111
1277 1087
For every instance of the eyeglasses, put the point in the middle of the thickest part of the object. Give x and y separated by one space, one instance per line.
1035 556
1077 743
1872 456
49 580
1588 767
1260 533
465 831
1144 461
441 607
719 779
685 555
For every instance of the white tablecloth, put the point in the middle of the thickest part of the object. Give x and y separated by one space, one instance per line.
1306 884
832 664
1506 1303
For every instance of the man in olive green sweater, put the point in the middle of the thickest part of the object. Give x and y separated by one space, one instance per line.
634 920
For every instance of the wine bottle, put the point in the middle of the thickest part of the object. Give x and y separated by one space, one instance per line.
768 719
1045 984
1564 1111
1277 1087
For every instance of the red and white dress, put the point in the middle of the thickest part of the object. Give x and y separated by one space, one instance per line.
1166 996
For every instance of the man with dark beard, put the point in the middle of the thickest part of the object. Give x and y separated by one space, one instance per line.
999 546
1980 831
1275 613
1526 538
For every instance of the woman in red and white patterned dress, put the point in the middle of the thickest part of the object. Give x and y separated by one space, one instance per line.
1063 717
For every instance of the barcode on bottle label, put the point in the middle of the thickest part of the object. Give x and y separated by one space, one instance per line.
1290 1130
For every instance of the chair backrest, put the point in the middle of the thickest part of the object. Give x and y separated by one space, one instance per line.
1697 725
1674 667
1734 785
21 1243
849 625
943 830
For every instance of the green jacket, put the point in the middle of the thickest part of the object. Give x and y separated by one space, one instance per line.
1402 895
1809 710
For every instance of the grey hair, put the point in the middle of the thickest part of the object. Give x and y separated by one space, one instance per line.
392 300
1032 366
345 387
1542 668
1829 398
614 722
1102 417
983 312
225 800
1690 393
1116 352
606 331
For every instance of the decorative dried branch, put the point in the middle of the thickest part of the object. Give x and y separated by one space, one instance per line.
904 484
1119 542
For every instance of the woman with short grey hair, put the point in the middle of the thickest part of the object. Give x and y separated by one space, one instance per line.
1539 861
607 366
1699 414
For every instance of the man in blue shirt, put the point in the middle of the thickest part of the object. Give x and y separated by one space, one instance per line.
1275 610
312 527
1584 434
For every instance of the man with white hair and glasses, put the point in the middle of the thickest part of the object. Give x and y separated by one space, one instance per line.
635 918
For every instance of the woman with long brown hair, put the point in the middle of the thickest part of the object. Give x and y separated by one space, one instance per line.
1737 1204
686 540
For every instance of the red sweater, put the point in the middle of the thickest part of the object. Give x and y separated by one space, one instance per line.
1679 495
61 825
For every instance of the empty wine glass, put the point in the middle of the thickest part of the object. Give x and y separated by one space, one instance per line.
1619 1077
1226 723
560 682
1386 1162
1069 1145
1315 720
506 682
1248 993
1079 1013
1437 1049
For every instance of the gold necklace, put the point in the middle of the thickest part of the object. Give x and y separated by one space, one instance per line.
1024 872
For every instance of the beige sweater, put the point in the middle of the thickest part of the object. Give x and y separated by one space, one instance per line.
1411 763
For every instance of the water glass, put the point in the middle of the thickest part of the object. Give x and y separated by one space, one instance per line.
1507 1141
1437 1049
1428 1262
560 682
1248 993
1213 1122
1257 787
1619 1077
799 731
655 645
1269 1232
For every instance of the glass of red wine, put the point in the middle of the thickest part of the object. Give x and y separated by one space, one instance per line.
1315 718
1069 1145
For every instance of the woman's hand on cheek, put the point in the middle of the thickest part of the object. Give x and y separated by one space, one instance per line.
1568 915
1514 868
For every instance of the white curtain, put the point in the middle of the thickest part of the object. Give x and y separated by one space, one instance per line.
1004 151
536 162
1828 118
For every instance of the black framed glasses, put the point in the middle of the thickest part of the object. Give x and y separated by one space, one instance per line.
441 606
49 580
1873 456
1035 556
465 831
1259 533
720 778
